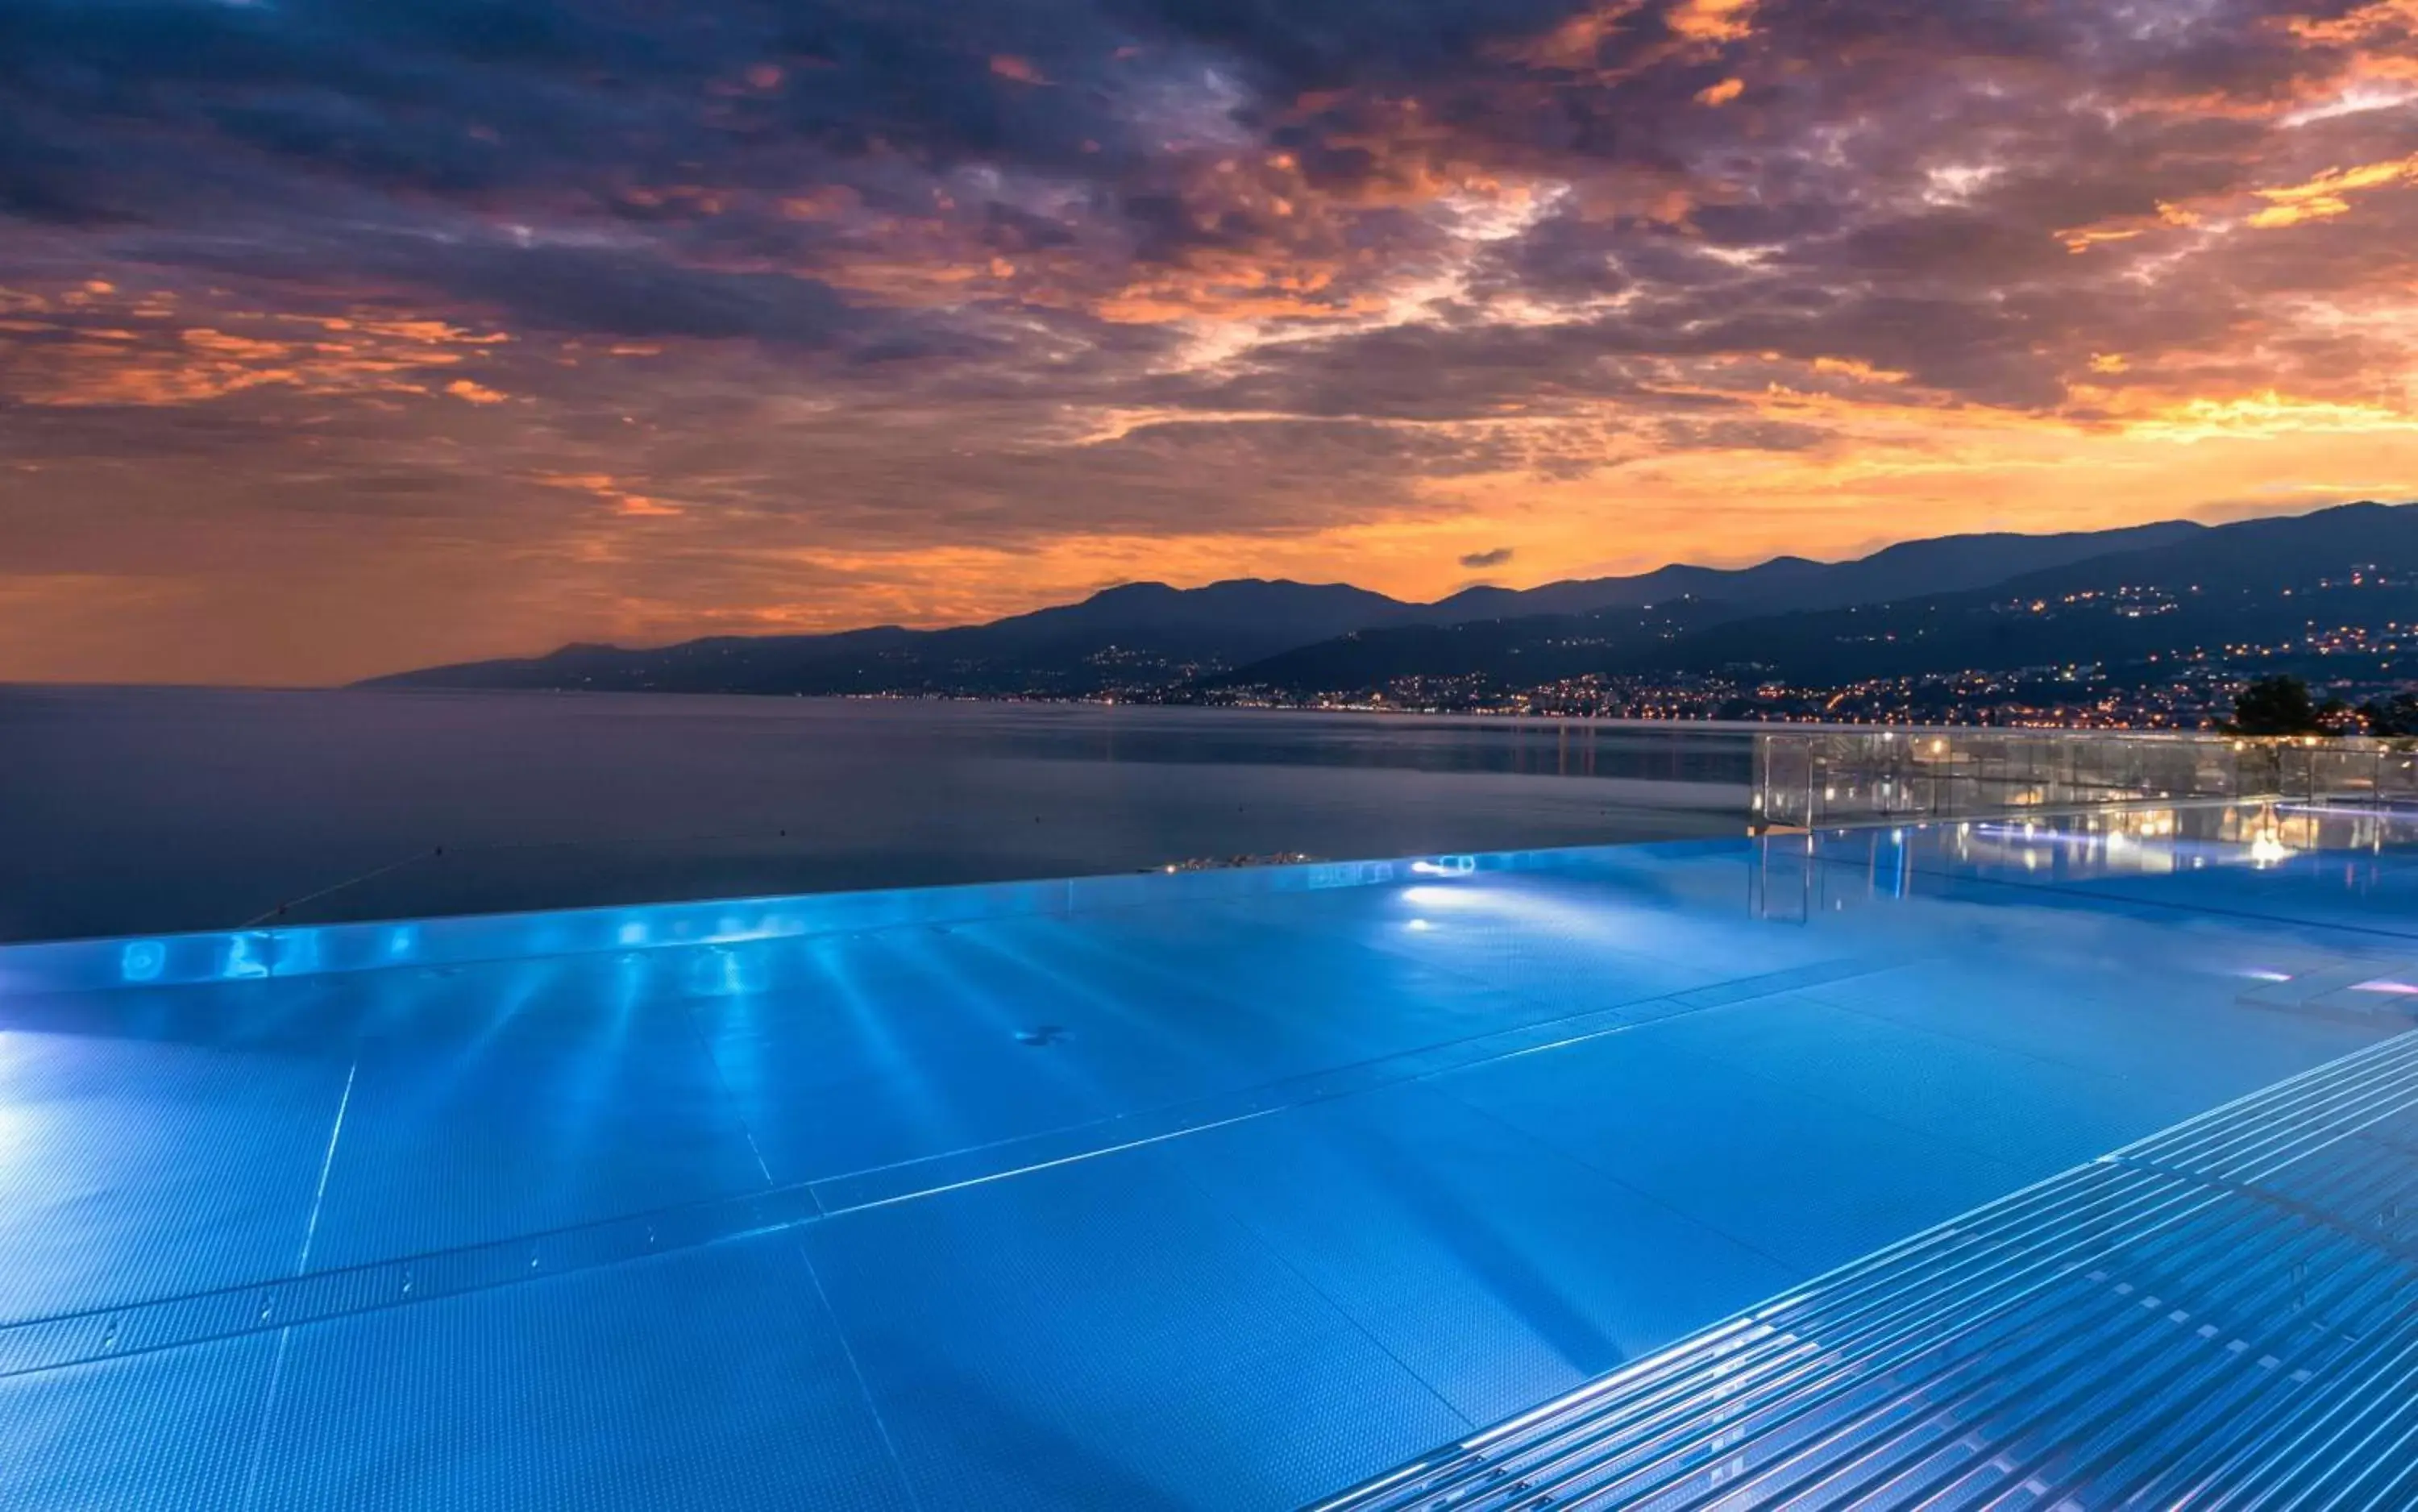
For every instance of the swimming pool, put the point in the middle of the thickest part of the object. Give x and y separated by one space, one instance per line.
1225 1189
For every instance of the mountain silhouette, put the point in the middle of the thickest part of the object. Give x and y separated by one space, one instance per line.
2265 583
1300 637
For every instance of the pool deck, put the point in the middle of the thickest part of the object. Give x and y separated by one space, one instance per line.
1211 1190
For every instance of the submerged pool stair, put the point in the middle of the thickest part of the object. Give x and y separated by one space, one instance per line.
2352 989
2222 1316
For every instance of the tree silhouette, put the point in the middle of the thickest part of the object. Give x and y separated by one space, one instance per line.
2396 715
2275 706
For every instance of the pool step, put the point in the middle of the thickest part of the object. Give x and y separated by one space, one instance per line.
2361 990
2223 1315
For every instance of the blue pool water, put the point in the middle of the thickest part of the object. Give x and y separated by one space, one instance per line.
1208 1190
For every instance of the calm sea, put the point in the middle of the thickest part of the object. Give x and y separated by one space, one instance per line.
126 810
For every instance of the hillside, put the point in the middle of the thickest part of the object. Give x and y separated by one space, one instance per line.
2256 590
1151 636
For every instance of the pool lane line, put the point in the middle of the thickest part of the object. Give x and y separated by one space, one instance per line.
268 1395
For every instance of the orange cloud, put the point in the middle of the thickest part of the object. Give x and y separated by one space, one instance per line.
1250 236
2324 197
1268 284
2268 416
823 203
1713 21
2377 21
2082 238
152 354
1853 368
1576 43
625 500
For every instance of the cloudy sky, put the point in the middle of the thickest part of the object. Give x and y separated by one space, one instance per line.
338 336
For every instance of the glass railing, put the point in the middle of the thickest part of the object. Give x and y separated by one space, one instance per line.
2351 771
1812 778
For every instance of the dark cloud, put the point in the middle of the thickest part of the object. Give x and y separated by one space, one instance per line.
597 290
44 177
1326 43
1495 557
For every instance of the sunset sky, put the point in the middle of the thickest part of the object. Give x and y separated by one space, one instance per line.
340 336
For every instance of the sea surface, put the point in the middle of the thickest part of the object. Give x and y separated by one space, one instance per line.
143 810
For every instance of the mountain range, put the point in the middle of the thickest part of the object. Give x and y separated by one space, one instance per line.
1949 602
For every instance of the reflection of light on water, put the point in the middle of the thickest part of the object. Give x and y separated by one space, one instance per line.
242 961
2266 849
143 960
2403 989
1418 924
2268 976
297 952
1446 897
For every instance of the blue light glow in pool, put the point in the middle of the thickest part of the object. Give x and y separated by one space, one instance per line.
1225 1189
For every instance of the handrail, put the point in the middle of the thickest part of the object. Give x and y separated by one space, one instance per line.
1831 778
